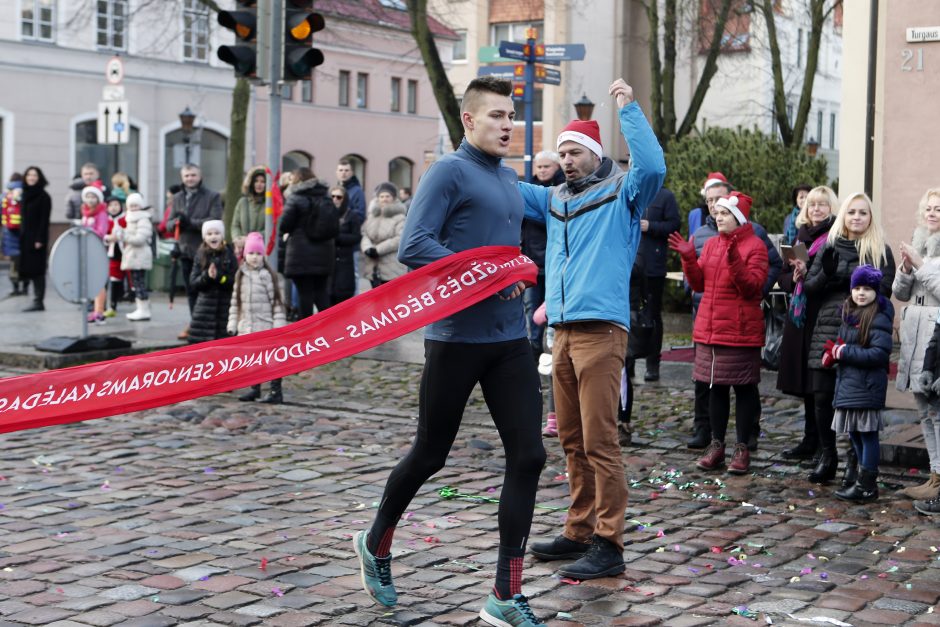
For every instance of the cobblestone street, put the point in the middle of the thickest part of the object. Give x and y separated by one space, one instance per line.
214 512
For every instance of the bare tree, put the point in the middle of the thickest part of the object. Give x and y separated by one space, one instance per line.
663 65
793 133
440 83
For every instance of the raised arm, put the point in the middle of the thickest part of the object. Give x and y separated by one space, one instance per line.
648 167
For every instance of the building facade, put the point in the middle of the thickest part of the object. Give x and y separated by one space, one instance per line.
370 100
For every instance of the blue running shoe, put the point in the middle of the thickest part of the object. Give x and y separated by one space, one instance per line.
376 573
514 612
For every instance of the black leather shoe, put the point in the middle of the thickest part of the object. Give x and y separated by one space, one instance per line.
603 559
251 395
273 398
804 450
36 306
652 373
561 548
700 440
826 469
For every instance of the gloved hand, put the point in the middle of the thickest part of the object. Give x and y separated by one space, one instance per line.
686 249
832 352
372 253
925 380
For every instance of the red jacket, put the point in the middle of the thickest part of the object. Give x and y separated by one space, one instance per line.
730 274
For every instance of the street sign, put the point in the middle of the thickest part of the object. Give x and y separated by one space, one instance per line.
512 50
113 122
562 52
547 75
518 91
112 93
505 72
114 70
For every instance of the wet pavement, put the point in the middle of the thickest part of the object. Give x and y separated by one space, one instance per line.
216 512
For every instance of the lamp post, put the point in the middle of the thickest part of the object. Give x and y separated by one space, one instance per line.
584 108
812 146
187 121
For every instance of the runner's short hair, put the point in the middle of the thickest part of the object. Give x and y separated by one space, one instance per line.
480 86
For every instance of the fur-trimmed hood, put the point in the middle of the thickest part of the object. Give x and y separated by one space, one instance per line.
393 208
246 182
925 243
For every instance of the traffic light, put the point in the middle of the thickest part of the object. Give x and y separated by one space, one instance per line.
300 23
251 25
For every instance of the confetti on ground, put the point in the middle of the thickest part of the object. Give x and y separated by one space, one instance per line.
645 593
277 592
573 582
264 563
742 610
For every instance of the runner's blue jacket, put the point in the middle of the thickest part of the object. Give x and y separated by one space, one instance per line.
593 227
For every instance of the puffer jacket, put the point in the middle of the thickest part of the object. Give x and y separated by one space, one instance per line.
214 296
862 379
136 236
920 288
593 227
382 231
253 306
830 277
306 255
730 273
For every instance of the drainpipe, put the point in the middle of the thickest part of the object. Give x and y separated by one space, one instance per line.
870 99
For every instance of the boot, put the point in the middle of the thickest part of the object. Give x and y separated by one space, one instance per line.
275 396
559 548
142 312
851 469
603 559
827 467
701 438
16 287
714 456
925 491
624 434
652 372
862 491
551 426
251 395
804 450
813 461
755 434
36 306
740 461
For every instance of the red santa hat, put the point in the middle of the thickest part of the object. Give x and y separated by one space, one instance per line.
714 178
584 132
738 204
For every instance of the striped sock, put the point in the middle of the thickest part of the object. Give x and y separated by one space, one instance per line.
382 547
508 573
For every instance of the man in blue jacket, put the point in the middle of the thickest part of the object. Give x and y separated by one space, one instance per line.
465 200
593 226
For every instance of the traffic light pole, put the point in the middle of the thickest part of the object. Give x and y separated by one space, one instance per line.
274 121
527 101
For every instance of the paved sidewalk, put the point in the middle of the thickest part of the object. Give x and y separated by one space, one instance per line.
215 512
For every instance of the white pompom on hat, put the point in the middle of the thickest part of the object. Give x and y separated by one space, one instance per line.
738 204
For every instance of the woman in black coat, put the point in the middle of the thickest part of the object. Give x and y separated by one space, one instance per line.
310 223
35 208
793 376
343 285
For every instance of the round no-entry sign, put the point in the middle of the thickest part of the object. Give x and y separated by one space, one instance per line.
114 70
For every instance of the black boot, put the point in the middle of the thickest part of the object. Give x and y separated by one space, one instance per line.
36 306
863 490
275 396
603 559
560 548
752 437
806 449
700 439
251 395
851 469
827 467
652 371
701 426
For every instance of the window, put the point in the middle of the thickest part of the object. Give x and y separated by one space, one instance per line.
111 24
343 88
412 96
358 164
510 31
819 123
306 91
362 90
38 20
799 47
460 46
206 148
295 159
536 107
287 91
832 131
396 94
400 171
394 4
195 31
109 158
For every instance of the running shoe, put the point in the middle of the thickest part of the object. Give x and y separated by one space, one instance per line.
376 573
514 612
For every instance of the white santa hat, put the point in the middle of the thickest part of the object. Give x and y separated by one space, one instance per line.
217 225
91 189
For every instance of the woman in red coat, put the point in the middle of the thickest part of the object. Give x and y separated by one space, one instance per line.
729 327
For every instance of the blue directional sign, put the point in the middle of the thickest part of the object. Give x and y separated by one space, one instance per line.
505 72
547 75
562 52
512 50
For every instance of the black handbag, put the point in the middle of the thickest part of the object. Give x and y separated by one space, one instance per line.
775 316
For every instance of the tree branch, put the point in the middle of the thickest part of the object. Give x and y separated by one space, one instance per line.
656 97
711 66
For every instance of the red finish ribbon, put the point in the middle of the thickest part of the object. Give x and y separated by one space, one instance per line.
130 384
